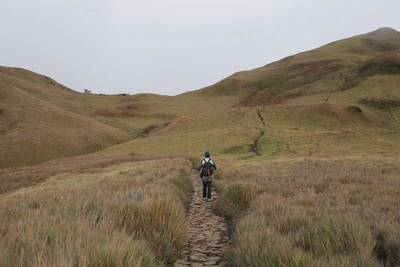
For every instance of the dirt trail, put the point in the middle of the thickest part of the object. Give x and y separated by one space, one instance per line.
208 234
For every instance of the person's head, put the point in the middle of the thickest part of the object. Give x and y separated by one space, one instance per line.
207 154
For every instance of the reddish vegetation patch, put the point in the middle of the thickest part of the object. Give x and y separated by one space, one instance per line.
338 111
117 113
354 109
380 103
14 178
132 107
385 64
169 126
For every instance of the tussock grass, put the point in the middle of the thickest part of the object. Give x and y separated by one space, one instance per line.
256 244
181 185
160 221
387 247
340 236
312 212
129 214
236 198
38 239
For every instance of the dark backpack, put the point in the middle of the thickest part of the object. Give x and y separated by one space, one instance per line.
208 169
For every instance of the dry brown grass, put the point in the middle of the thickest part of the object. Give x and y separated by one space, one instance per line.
313 213
129 214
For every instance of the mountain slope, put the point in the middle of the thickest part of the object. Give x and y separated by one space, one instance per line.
340 99
33 130
333 67
337 99
41 119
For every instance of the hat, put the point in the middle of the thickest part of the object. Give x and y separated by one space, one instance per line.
207 154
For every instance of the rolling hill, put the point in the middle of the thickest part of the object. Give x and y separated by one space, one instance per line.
342 99
34 130
338 100
319 73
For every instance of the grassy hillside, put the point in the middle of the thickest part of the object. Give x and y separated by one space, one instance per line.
41 119
331 68
34 130
340 99
306 149
337 99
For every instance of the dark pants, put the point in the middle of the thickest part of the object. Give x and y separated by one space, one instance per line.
207 185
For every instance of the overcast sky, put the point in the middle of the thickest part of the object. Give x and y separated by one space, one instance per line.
169 47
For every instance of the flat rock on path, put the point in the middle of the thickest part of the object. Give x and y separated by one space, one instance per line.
208 234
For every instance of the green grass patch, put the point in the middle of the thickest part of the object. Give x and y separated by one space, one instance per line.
237 149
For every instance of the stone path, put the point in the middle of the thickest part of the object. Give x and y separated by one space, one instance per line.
208 234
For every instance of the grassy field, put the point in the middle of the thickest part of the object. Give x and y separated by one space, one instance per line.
312 212
306 149
130 211
126 214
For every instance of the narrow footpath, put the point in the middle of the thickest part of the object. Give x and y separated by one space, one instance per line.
208 234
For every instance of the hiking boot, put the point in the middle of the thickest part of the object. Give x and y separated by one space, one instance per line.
209 200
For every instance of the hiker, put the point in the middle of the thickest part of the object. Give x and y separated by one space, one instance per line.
207 167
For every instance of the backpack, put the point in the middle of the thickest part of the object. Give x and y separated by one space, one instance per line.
208 169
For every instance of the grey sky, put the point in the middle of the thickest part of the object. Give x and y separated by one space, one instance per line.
170 47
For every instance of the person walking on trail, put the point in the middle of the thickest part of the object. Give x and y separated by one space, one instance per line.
206 168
